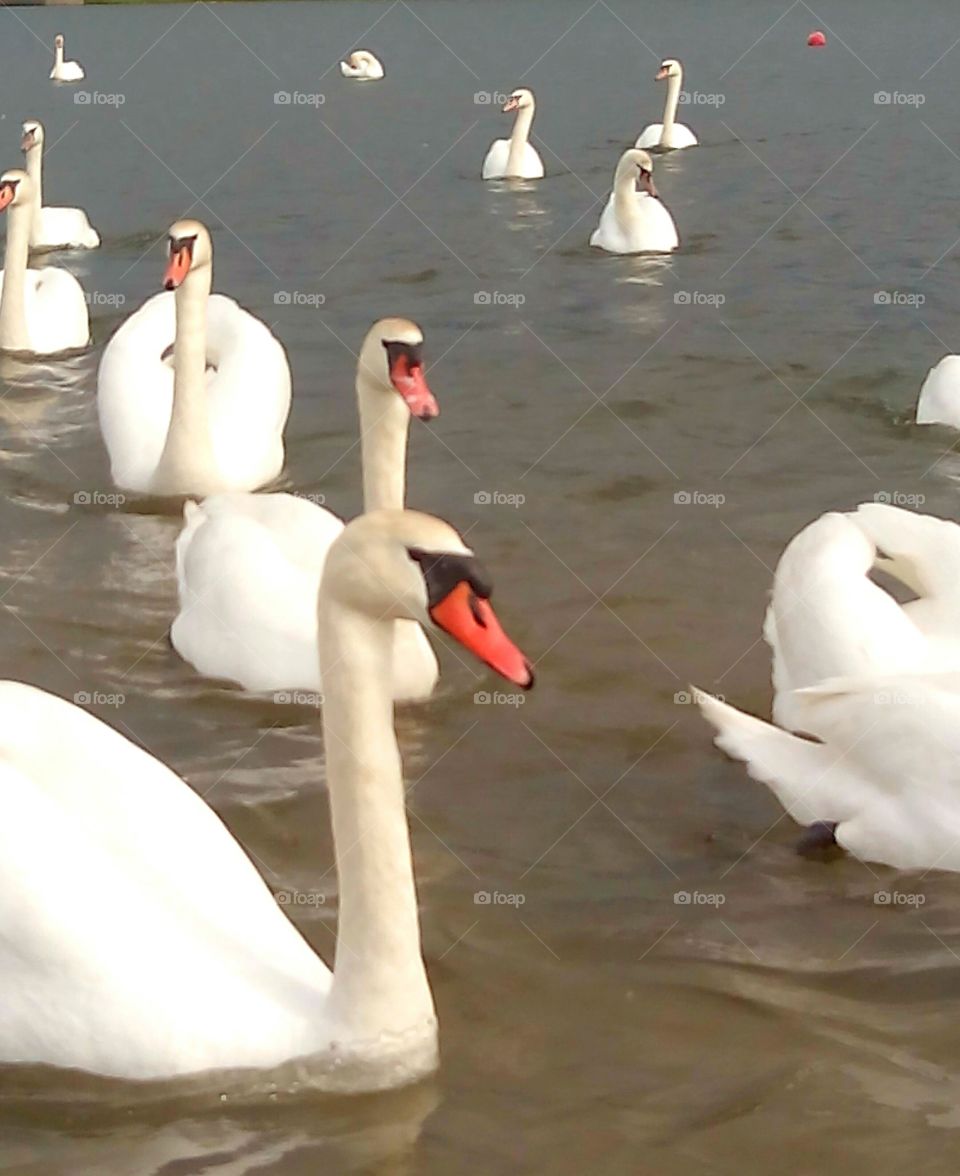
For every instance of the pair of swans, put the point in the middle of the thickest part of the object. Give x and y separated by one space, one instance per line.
52 228
42 311
193 392
516 157
363 65
249 565
875 683
64 71
668 135
635 220
137 939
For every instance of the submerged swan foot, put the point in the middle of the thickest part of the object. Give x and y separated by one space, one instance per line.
818 842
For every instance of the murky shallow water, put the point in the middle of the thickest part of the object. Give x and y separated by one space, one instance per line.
601 1024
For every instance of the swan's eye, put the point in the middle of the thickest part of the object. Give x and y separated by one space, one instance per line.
443 571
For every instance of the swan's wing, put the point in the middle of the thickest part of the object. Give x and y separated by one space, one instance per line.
649 136
682 137
57 318
302 530
922 551
67 227
135 392
532 163
939 401
495 161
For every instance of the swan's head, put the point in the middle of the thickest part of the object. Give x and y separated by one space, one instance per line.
190 248
403 564
392 358
58 40
637 165
361 57
32 135
669 68
518 100
15 188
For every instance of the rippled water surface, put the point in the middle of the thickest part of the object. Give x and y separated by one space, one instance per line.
665 445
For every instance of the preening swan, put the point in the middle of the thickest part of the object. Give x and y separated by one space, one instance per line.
52 228
170 955
64 71
213 419
668 135
634 219
42 311
362 64
939 401
516 157
249 565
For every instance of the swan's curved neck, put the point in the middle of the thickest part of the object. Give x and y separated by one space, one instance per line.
13 309
384 427
35 172
379 982
188 450
519 137
674 83
58 55
625 195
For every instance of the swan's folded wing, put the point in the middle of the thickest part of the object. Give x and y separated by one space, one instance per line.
920 550
67 227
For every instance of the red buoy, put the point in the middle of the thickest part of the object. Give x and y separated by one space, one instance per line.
817 38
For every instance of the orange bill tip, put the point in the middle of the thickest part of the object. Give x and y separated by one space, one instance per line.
471 620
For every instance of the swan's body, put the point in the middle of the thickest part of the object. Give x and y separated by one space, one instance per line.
668 135
137 939
52 228
210 420
516 157
42 311
249 565
634 219
363 65
939 400
64 71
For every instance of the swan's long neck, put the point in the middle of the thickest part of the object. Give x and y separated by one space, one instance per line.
379 982
518 140
625 195
674 81
188 450
13 308
58 55
384 426
35 172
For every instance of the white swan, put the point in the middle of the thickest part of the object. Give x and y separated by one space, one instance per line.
668 135
939 400
363 65
634 219
249 565
516 157
64 71
42 311
136 937
52 228
193 392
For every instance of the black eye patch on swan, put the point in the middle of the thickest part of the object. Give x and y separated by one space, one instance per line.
443 571
178 243
412 352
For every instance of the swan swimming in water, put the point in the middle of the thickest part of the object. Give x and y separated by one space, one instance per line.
516 157
52 228
635 220
64 71
668 135
363 65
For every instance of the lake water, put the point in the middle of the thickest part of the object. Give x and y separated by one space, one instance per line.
665 447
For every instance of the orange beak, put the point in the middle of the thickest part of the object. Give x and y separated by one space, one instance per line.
511 104
177 267
662 73
7 193
27 141
410 382
472 621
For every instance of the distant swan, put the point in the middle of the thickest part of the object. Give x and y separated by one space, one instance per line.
635 219
52 228
939 401
668 135
138 939
362 64
64 71
42 311
516 157
212 419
